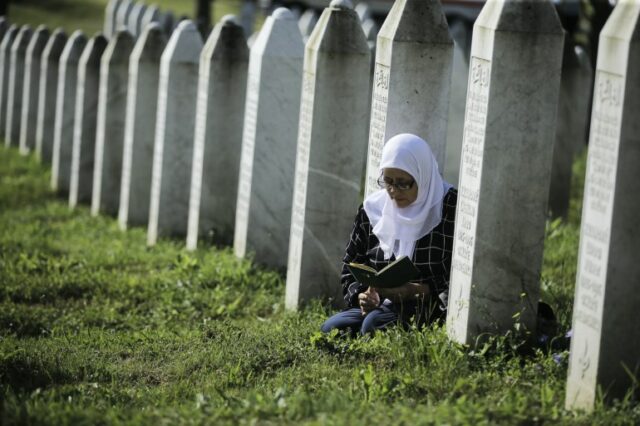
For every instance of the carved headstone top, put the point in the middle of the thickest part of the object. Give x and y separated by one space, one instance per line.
341 4
339 30
282 13
402 25
73 49
279 36
541 17
230 19
151 43
152 14
119 48
22 39
184 45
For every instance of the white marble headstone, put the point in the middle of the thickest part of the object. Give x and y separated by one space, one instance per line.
605 347
135 19
140 126
16 84
30 90
371 30
5 70
175 123
331 150
65 112
510 120
152 14
85 121
48 87
265 192
248 16
307 23
122 15
4 27
112 104
412 80
218 133
110 17
363 10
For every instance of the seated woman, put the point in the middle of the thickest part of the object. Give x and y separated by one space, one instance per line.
413 215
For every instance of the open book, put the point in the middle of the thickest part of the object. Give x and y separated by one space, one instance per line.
395 274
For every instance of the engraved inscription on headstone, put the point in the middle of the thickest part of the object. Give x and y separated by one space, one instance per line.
246 163
378 122
468 195
412 78
595 234
300 185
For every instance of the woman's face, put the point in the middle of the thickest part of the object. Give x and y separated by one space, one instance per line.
396 177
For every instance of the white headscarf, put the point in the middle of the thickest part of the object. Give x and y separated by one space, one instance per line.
397 228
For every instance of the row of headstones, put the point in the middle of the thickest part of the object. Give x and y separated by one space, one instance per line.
301 154
135 16
504 181
324 180
573 106
309 18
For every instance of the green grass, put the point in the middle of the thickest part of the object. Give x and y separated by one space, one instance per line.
88 15
96 328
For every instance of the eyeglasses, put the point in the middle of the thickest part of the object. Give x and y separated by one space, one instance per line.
399 186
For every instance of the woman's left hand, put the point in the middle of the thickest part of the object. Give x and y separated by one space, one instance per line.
369 300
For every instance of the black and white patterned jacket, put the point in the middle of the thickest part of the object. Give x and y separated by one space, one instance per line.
432 254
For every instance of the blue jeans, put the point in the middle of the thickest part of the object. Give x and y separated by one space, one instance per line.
353 319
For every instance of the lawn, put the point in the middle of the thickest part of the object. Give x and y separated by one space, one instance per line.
96 328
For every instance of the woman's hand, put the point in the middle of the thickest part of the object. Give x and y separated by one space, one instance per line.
369 300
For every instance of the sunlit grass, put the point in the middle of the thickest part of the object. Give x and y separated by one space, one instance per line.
95 327
88 15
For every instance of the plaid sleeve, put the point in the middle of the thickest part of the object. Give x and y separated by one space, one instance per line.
440 284
356 251
433 252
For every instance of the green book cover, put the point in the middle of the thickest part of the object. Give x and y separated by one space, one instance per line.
395 274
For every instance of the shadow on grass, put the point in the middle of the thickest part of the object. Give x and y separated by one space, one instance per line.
17 187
